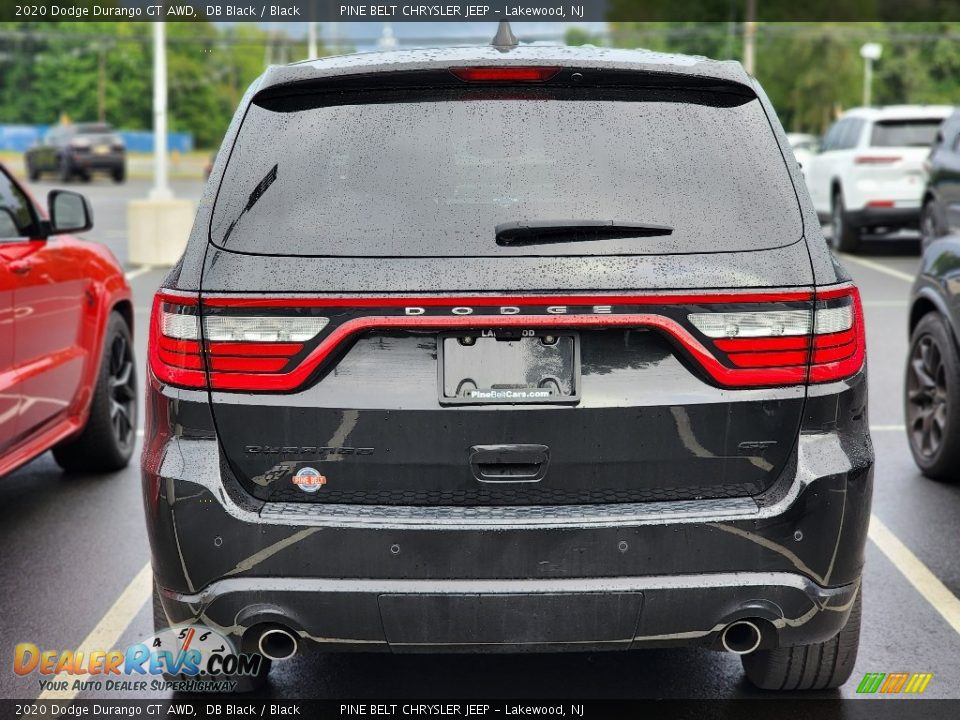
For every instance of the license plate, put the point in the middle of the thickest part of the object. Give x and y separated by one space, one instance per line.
525 366
102 149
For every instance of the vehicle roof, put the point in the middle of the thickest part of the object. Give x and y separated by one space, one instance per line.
901 112
583 56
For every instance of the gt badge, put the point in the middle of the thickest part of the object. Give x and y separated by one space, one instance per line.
309 480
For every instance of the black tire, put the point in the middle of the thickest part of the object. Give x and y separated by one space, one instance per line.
846 237
32 172
119 175
245 683
64 170
820 666
930 228
107 441
932 399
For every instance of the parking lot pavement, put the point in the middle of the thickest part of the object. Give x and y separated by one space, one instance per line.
73 544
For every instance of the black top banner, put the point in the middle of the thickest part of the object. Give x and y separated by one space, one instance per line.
479 10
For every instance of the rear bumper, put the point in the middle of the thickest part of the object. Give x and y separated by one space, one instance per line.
531 578
538 615
97 162
886 217
880 217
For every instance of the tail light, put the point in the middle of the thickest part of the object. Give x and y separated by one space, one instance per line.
235 349
505 74
779 345
876 159
276 344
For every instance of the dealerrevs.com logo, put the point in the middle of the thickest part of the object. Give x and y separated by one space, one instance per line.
201 658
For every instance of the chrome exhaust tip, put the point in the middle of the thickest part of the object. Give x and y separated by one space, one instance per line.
277 643
741 637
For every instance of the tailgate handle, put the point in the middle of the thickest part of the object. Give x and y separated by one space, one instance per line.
509 463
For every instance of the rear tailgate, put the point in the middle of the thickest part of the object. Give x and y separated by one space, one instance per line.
367 223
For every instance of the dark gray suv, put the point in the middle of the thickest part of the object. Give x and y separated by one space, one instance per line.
536 350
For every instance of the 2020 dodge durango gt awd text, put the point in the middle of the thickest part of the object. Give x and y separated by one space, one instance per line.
532 351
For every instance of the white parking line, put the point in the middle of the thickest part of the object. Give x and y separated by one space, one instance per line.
918 574
137 272
107 632
899 274
887 428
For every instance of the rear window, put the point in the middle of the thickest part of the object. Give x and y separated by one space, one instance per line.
408 175
905 133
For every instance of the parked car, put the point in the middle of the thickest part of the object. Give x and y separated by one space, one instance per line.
932 384
67 372
804 147
869 173
78 151
481 350
941 199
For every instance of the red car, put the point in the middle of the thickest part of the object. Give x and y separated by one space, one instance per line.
67 371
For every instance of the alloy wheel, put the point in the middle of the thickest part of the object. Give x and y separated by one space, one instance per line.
123 391
927 397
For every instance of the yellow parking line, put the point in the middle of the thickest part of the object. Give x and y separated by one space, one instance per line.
107 632
899 274
918 574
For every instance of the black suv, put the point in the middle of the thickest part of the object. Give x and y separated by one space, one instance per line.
78 151
940 213
490 351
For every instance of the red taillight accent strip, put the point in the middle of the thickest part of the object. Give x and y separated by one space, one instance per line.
833 339
732 345
833 354
178 346
492 301
247 364
720 372
769 359
505 74
263 372
180 360
876 159
283 350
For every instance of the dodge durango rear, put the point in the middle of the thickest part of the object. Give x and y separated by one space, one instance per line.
527 351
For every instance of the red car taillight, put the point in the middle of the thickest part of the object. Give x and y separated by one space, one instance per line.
780 344
506 74
230 347
276 344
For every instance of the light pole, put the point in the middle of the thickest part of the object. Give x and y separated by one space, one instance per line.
311 41
869 52
158 227
161 189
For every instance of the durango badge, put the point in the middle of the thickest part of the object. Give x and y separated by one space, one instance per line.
309 480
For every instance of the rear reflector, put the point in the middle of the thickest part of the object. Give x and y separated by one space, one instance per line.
505 74
876 159
880 204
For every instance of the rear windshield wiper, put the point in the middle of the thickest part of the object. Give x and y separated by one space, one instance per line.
536 232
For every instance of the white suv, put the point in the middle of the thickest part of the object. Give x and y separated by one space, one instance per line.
869 172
